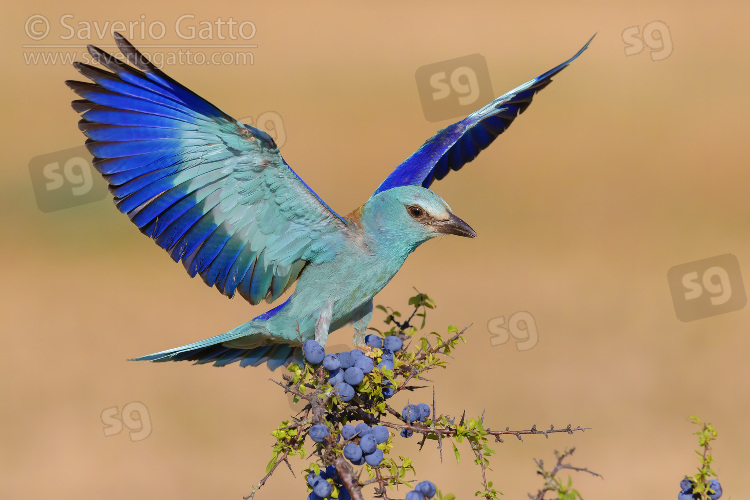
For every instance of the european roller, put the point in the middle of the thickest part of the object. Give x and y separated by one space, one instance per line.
217 196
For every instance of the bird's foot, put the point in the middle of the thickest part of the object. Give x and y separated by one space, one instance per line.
324 323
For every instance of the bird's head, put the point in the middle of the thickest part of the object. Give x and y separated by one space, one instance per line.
411 215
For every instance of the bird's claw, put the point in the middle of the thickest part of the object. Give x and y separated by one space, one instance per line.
324 322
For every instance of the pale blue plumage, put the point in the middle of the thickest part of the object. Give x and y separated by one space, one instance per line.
218 196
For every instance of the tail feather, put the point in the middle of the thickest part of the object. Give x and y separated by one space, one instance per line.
275 355
266 348
278 356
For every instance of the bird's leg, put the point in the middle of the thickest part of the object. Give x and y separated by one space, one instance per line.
360 324
324 322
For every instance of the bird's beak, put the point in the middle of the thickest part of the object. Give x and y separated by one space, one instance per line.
454 225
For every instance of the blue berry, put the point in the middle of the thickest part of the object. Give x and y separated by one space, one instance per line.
312 478
414 495
347 431
331 362
318 433
345 360
375 457
410 413
388 392
684 496
356 353
322 488
424 411
381 433
374 341
336 376
368 444
386 363
362 429
686 485
353 376
427 488
329 472
392 343
406 433
387 354
314 352
345 391
353 452
716 487
313 496
363 363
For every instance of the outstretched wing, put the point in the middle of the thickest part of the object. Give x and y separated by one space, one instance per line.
213 192
456 145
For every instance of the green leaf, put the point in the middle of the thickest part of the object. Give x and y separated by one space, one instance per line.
455 452
276 454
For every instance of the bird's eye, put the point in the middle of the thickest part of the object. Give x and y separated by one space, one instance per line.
415 211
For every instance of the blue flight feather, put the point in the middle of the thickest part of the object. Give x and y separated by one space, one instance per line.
457 144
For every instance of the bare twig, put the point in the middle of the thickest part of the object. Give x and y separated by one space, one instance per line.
258 486
551 482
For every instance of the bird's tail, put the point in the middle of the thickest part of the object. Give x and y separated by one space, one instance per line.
261 347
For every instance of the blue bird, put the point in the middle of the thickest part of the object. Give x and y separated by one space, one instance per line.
217 195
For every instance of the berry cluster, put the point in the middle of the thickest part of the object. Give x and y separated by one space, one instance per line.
347 369
364 441
686 490
414 413
325 484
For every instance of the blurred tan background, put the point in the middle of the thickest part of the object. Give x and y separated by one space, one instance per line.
622 168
